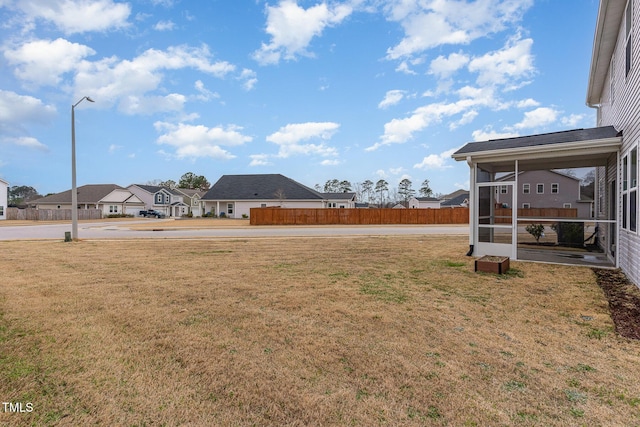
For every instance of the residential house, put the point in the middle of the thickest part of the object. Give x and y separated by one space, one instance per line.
614 91
611 147
167 200
192 198
424 203
4 198
457 199
234 195
544 189
111 199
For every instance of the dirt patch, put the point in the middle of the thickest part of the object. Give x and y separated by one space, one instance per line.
624 301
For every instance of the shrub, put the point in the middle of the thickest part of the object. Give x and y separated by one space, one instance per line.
536 230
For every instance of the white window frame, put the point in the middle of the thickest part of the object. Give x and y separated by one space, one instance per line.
555 188
503 189
526 206
538 186
566 205
526 188
229 208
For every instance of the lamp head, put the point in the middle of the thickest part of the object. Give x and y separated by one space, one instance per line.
89 99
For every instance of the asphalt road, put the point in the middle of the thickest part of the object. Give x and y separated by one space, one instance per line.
123 230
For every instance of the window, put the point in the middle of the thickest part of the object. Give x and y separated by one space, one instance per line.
630 190
526 205
167 199
158 198
567 205
526 188
612 81
263 205
230 208
113 208
332 205
628 28
555 188
503 189
1 210
540 188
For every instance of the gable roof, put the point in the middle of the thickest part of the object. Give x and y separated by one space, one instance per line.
456 201
152 189
91 193
427 199
259 187
610 13
509 176
555 150
339 196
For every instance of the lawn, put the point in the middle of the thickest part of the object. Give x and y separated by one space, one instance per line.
305 331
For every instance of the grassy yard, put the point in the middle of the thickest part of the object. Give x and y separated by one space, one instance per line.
326 331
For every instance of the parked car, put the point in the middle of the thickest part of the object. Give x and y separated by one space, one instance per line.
151 213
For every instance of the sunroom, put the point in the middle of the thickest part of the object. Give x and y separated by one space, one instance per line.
504 218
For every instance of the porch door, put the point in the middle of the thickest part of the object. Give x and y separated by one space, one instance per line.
495 219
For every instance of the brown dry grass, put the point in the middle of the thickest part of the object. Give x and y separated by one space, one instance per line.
324 331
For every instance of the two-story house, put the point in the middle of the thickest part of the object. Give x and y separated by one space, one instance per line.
545 189
611 147
169 201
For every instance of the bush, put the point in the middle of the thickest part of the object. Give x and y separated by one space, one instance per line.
536 230
119 216
245 216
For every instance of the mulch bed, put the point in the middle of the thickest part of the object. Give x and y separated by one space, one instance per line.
624 301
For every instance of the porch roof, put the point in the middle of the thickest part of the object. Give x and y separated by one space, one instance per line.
566 149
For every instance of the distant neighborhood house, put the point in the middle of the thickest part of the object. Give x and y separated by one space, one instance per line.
424 203
111 199
173 202
4 198
233 196
545 189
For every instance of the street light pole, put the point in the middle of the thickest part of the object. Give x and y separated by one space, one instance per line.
74 190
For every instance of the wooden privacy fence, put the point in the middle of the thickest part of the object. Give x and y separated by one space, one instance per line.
505 213
31 214
286 216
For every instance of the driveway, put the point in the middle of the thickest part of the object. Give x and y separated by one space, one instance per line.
139 229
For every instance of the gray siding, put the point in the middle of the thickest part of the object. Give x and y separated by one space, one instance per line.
622 110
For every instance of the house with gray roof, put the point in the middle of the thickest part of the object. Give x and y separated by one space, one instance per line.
4 198
234 195
424 203
167 200
111 199
611 148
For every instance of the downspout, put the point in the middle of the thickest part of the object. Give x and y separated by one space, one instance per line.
472 205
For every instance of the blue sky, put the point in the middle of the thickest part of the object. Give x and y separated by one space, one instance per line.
314 90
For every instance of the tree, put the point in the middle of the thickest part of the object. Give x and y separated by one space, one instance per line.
344 187
381 187
194 182
405 191
367 189
587 184
536 230
20 194
168 183
425 189
332 186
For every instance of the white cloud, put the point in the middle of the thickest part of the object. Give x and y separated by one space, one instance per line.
488 134
289 139
249 77
466 118
205 94
164 26
16 109
536 118
436 161
527 103
292 28
508 66
26 142
572 120
430 24
392 97
333 162
445 67
259 160
127 82
72 16
114 147
193 141
43 62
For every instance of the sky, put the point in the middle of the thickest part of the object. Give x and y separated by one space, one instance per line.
315 90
